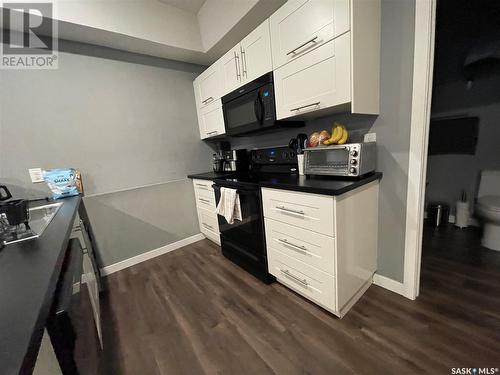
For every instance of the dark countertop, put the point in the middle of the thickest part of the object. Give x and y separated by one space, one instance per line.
208 175
325 185
29 272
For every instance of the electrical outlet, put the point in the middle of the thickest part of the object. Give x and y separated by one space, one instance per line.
36 175
370 137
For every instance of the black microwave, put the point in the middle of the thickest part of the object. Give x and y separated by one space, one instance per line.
252 108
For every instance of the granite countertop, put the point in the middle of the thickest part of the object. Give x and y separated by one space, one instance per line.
326 185
29 272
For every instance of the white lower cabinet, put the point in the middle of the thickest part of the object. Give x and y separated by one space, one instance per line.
334 266
205 207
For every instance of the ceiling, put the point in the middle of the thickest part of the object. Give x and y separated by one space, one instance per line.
192 6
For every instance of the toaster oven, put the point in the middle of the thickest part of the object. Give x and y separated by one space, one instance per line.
348 160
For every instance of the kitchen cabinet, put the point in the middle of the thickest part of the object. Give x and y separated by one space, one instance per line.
207 86
300 26
326 57
317 81
256 53
323 247
211 120
248 60
231 70
206 209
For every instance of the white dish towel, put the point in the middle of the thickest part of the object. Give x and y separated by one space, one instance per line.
229 205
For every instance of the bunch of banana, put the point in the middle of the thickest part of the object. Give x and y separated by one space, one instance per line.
339 135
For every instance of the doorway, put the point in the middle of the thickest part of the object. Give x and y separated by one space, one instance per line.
460 243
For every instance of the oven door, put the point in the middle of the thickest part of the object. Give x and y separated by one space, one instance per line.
243 242
327 161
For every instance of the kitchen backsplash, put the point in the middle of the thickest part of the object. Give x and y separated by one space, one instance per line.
358 126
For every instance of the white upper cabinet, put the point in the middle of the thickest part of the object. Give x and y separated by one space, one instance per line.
256 53
316 81
208 86
302 25
231 70
211 120
248 60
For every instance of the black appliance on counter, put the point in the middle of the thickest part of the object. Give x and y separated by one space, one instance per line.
252 108
244 242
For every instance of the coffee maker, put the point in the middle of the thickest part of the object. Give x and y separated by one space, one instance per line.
218 162
235 160
13 213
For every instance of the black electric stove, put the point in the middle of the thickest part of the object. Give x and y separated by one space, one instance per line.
244 242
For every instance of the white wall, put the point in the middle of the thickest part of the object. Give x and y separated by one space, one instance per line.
217 17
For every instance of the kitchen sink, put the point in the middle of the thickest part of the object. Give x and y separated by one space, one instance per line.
39 219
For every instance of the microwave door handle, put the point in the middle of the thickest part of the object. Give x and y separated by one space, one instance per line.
258 108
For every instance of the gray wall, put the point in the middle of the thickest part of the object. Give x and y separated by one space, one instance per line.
392 128
126 121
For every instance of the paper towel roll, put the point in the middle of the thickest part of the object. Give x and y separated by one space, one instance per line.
462 214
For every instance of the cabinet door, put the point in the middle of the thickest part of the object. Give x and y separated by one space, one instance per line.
211 120
256 53
91 282
321 79
299 26
231 70
208 85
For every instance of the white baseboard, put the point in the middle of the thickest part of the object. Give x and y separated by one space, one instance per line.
150 254
390 284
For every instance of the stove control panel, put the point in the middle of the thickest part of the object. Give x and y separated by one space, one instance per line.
273 155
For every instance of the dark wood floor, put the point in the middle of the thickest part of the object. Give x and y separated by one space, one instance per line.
193 312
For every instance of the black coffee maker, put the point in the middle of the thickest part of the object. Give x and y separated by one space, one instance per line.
12 211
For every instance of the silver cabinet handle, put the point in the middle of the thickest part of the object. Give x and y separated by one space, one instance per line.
244 62
208 226
293 277
312 40
214 132
304 106
285 241
207 100
204 200
237 63
283 208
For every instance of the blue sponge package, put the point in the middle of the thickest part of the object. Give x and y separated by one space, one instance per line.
63 182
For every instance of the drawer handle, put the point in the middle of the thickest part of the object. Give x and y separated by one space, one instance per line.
312 40
304 106
283 208
208 226
285 241
208 100
214 132
293 277
204 200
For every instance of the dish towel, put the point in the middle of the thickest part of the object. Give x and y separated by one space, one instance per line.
229 205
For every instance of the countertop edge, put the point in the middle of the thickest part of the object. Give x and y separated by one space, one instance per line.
31 356
356 183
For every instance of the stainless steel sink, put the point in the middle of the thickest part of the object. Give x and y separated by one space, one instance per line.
39 219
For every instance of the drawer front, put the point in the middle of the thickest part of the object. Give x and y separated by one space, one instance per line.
302 25
321 79
208 220
205 199
306 280
203 186
312 248
308 211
